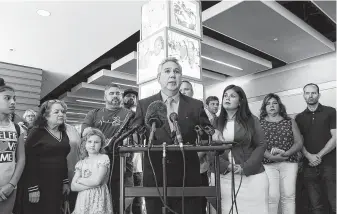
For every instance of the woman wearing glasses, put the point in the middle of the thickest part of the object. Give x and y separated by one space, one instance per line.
46 173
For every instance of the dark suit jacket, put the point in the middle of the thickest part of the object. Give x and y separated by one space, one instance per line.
190 114
248 152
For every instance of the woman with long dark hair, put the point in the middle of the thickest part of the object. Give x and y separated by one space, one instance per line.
46 173
283 142
237 124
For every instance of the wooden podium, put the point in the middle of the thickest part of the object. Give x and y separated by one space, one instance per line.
211 192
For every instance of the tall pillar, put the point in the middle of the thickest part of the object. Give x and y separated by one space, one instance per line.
169 29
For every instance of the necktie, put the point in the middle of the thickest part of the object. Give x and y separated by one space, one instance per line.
170 109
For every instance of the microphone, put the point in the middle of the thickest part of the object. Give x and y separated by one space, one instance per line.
127 133
130 115
141 134
209 130
199 132
155 116
174 119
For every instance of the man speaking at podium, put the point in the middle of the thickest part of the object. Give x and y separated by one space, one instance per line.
190 113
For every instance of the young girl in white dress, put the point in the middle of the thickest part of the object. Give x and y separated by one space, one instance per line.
91 176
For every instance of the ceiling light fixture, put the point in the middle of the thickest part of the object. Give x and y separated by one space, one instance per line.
87 101
69 112
133 86
43 12
275 39
222 63
11 49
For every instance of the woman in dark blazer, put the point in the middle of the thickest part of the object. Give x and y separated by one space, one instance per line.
237 124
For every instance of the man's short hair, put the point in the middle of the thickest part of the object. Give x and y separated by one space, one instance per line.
112 85
169 59
188 82
313 84
211 98
130 91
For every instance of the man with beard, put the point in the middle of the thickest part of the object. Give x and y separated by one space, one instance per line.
317 124
130 98
108 120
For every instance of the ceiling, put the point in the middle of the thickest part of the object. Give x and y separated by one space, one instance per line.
74 35
83 46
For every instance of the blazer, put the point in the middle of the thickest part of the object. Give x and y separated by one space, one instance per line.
248 152
190 114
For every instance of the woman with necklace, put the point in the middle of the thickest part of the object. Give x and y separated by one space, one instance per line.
281 163
237 124
46 173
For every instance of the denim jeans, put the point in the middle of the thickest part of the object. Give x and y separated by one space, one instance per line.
314 179
282 186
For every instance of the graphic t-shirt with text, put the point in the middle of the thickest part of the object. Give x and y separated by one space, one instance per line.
8 145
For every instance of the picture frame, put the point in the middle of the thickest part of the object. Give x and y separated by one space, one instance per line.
148 89
185 16
154 17
187 50
150 52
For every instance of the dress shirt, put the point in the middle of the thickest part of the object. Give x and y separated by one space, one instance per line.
228 134
171 108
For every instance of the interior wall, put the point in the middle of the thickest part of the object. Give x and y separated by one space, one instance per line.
287 82
50 81
27 84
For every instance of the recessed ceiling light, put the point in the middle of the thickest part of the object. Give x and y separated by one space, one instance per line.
43 13
275 39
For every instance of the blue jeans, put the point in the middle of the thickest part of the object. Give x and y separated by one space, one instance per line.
314 179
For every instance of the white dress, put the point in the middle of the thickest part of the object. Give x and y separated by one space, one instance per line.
96 200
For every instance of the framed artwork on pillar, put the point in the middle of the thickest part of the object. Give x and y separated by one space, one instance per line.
168 43
187 50
154 17
151 51
148 89
186 16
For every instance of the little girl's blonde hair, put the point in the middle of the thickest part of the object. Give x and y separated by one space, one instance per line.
93 131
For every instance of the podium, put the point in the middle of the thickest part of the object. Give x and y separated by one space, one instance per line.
212 191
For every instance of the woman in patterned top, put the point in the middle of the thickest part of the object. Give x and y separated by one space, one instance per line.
283 142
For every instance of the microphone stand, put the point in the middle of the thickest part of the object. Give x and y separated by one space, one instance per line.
164 209
198 130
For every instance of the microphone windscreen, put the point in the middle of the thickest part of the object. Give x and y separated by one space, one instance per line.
209 130
173 117
156 113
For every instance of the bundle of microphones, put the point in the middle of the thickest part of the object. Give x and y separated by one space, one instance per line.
155 118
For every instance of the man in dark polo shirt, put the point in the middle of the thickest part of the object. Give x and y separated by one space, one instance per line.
317 124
